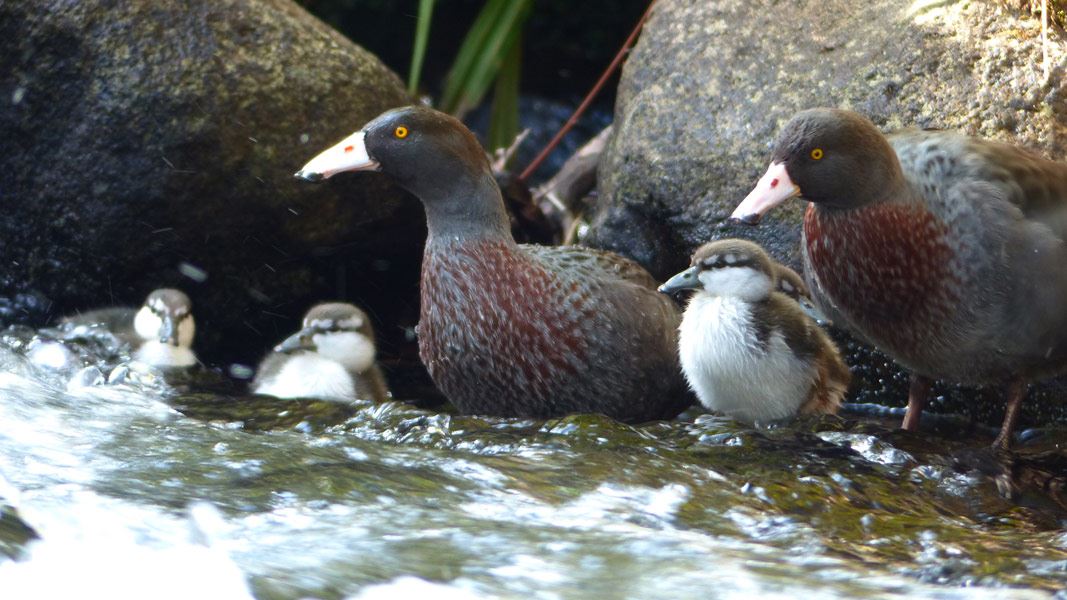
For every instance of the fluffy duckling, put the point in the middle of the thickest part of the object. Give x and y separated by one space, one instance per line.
330 358
747 350
790 283
160 333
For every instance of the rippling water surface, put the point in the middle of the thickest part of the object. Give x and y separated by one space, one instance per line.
143 489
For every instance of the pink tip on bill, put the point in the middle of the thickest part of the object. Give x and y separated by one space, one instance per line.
774 188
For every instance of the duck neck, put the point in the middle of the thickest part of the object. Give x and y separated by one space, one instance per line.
894 191
467 208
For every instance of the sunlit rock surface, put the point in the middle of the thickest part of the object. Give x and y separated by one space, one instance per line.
143 490
710 84
149 144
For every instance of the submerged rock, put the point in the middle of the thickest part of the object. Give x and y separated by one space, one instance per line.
14 532
153 143
709 86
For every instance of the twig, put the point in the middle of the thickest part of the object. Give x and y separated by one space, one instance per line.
573 120
559 196
502 156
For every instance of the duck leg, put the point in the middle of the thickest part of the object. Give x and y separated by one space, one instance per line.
918 394
1016 393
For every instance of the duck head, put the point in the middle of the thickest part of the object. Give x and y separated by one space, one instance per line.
732 267
167 318
430 154
834 158
166 326
335 331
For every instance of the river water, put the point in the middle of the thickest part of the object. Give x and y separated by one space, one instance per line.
142 488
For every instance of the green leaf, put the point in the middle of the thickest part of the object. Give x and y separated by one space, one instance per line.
495 30
504 120
418 53
472 45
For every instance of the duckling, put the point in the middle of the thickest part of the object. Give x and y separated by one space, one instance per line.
747 350
330 358
790 283
160 333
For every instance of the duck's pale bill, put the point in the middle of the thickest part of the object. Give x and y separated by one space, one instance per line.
350 154
774 188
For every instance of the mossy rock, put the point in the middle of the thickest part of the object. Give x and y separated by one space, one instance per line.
153 143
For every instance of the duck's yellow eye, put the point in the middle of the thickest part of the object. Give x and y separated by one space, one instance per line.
401 132
816 153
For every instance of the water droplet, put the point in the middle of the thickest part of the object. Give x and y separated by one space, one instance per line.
192 272
239 371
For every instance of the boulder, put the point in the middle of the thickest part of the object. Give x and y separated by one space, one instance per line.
710 84
147 144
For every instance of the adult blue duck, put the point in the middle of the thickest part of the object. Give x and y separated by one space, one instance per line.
508 329
945 251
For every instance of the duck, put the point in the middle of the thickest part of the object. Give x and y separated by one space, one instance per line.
160 333
332 357
944 251
748 350
508 329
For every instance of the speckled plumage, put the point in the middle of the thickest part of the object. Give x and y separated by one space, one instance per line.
508 329
947 252
522 330
967 257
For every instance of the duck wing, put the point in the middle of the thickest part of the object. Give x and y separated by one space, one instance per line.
588 262
632 327
809 342
117 320
1007 208
937 162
